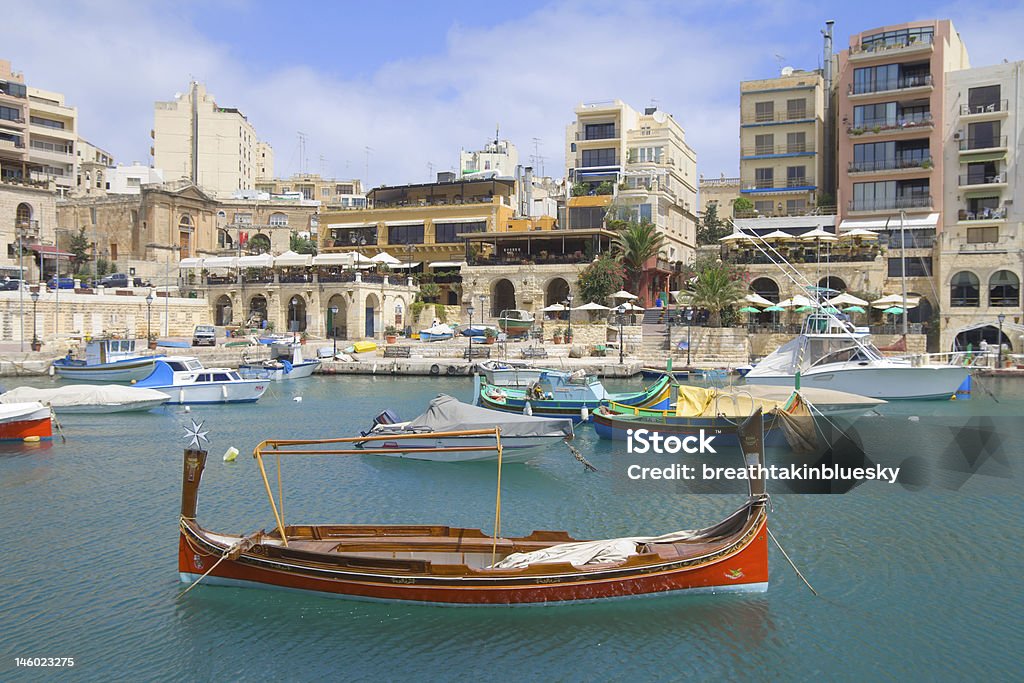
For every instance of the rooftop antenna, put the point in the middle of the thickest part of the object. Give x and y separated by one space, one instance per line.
497 127
430 170
781 60
366 167
538 160
302 152
323 165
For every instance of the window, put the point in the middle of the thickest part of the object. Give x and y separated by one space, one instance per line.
13 89
917 266
599 157
113 251
350 237
279 219
985 98
796 143
983 135
445 233
598 131
92 214
981 173
343 189
645 213
48 123
764 178
646 154
764 144
982 207
796 109
405 234
964 290
988 234
764 111
9 113
871 115
902 37
583 217
243 218
325 191
796 207
764 207
796 176
1004 289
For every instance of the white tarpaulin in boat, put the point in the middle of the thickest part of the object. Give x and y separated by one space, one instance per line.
447 414
93 395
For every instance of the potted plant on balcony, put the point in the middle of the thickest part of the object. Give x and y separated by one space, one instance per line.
391 334
490 336
557 339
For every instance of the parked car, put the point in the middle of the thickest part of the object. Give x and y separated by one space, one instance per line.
114 280
12 285
204 335
61 283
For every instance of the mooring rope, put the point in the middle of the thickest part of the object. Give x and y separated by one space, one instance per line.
791 563
587 467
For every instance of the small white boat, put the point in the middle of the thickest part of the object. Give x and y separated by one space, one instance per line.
522 436
502 373
185 380
439 332
107 360
286 362
89 398
25 421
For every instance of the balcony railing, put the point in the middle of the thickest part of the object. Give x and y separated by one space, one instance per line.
982 214
600 135
971 179
900 83
986 108
923 120
987 142
889 203
780 117
762 150
801 255
888 165
875 47
781 184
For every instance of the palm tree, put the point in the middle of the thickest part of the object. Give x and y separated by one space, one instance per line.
635 244
715 289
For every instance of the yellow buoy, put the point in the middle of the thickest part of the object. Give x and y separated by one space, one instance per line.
31 439
230 454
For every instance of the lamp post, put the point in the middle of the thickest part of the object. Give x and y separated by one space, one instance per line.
621 310
150 298
293 321
689 320
334 334
568 313
471 311
35 338
21 283
1001 317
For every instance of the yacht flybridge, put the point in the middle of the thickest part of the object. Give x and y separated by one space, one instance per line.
831 354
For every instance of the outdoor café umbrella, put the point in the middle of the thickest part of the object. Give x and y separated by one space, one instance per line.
859 233
805 309
750 309
796 301
894 310
553 308
819 234
845 298
736 237
853 309
777 235
385 258
774 309
591 307
893 299
830 309
623 294
757 300
632 307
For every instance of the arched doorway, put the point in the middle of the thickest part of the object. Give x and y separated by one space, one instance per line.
186 228
832 282
922 313
259 244
297 314
257 311
224 240
769 289
503 296
222 310
452 298
556 291
372 309
337 317
973 337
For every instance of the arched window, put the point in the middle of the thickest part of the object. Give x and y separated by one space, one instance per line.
185 229
224 240
767 288
259 244
1004 289
279 219
965 290
23 215
185 222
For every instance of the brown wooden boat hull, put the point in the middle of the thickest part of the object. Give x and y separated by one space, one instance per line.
743 566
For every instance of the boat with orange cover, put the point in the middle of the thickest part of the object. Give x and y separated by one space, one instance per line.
439 564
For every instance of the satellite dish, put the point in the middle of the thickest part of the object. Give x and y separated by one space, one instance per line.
660 116
177 95
787 71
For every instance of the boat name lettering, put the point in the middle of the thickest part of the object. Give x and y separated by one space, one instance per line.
403 579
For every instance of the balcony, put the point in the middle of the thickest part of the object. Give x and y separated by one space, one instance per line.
987 110
978 181
768 151
917 203
886 165
966 217
988 143
920 123
776 119
911 46
11 144
788 186
905 84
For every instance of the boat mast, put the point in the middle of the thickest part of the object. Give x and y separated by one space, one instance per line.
903 270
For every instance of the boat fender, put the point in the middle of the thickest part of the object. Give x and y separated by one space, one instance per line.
188 409
297 399
435 369
51 371
584 413
230 454
452 370
31 439
527 409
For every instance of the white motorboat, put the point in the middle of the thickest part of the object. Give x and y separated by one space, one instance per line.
185 380
504 373
522 436
830 354
107 360
287 361
89 398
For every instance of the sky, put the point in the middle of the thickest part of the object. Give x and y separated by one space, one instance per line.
388 91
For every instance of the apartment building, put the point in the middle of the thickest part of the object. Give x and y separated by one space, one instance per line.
92 177
330 192
630 165
497 155
13 123
215 147
980 266
721 193
53 132
264 160
782 128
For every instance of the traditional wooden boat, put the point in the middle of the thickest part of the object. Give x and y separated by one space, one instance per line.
107 360
564 394
439 564
515 322
287 361
25 421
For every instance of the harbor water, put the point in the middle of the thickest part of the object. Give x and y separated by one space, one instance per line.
915 582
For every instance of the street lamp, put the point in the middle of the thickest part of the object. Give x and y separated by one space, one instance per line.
471 311
689 320
35 337
294 320
568 313
1001 317
334 334
150 298
621 310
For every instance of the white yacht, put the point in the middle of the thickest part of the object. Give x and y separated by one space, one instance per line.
185 380
832 354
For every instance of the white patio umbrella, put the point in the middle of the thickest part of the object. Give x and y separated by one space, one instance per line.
623 294
291 258
778 235
385 258
819 234
757 300
591 307
553 308
633 307
895 300
796 302
845 299
256 261
860 233
735 237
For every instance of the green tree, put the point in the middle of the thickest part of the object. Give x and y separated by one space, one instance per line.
715 286
599 280
78 245
741 206
605 187
580 189
711 228
430 292
301 245
634 245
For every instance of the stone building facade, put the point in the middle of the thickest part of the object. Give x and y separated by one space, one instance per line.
27 209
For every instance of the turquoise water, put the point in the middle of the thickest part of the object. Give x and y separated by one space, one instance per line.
914 584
